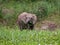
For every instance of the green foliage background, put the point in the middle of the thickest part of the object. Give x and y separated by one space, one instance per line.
10 9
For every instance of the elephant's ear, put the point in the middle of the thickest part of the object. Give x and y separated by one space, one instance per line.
34 18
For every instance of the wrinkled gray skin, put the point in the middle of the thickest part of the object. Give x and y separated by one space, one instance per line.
26 20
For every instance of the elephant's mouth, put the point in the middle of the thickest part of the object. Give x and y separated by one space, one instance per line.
30 23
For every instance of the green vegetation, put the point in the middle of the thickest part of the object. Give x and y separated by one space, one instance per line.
10 36
10 9
44 9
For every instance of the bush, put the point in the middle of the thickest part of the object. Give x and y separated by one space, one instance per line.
41 8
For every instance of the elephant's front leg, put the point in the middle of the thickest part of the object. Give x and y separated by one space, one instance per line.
32 27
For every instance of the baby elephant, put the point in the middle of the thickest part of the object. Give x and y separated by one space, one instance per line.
26 20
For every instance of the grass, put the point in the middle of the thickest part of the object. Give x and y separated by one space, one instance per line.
10 36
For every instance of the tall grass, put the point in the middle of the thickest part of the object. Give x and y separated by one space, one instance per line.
10 36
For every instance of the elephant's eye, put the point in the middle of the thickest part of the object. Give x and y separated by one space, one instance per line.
31 18
28 18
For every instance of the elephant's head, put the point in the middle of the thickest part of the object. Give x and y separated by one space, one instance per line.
31 18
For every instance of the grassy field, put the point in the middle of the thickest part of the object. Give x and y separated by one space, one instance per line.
9 11
10 36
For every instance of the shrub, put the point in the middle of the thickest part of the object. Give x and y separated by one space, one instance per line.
42 8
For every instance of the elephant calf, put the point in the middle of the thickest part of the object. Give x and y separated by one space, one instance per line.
26 20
